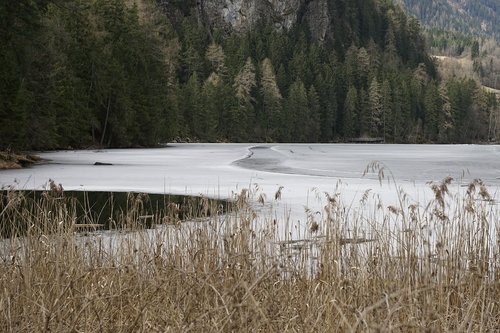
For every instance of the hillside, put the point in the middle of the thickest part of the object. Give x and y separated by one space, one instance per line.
123 73
462 31
476 17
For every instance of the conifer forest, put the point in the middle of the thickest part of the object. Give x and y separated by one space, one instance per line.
119 73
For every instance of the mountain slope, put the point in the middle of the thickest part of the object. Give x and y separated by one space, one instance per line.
120 74
477 17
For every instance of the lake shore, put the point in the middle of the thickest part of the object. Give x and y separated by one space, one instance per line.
11 160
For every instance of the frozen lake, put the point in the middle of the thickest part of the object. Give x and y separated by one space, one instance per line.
305 171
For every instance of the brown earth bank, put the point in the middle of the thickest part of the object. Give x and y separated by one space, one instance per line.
13 160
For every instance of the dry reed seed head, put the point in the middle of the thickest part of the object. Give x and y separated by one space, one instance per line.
447 180
54 188
364 198
277 195
394 210
440 215
241 199
471 188
205 206
262 199
244 193
332 199
483 192
413 208
469 206
14 199
438 194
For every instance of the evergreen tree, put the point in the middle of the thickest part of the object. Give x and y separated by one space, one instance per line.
192 106
386 108
211 115
215 55
351 122
432 106
296 114
446 121
244 84
270 117
313 127
376 108
326 84
364 115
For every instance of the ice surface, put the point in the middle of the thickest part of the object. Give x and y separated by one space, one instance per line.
305 171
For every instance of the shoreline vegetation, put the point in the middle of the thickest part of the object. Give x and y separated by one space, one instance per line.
421 266
12 160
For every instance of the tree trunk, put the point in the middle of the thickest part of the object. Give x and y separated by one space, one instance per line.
106 120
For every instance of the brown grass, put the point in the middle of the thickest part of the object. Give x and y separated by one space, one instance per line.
10 160
429 267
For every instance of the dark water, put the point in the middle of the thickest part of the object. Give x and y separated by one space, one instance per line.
101 210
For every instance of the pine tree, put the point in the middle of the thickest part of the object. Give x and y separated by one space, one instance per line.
244 114
313 127
386 108
192 106
364 67
211 114
432 106
215 55
271 100
350 114
296 114
351 66
375 108
245 82
364 116
390 58
328 89
400 114
445 119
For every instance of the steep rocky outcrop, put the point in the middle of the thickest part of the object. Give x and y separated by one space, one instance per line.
318 19
242 15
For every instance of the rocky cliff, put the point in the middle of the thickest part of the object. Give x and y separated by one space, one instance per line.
243 15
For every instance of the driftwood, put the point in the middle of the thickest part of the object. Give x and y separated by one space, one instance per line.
367 140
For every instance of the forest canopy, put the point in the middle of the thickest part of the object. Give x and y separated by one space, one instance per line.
117 73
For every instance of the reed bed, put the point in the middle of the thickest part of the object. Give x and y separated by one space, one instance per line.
415 267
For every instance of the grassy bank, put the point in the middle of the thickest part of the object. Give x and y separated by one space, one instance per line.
428 267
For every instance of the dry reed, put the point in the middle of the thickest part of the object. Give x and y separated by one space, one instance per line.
419 268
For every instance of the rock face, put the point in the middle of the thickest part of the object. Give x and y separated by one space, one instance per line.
318 18
242 15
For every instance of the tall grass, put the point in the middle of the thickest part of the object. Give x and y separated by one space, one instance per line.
415 267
